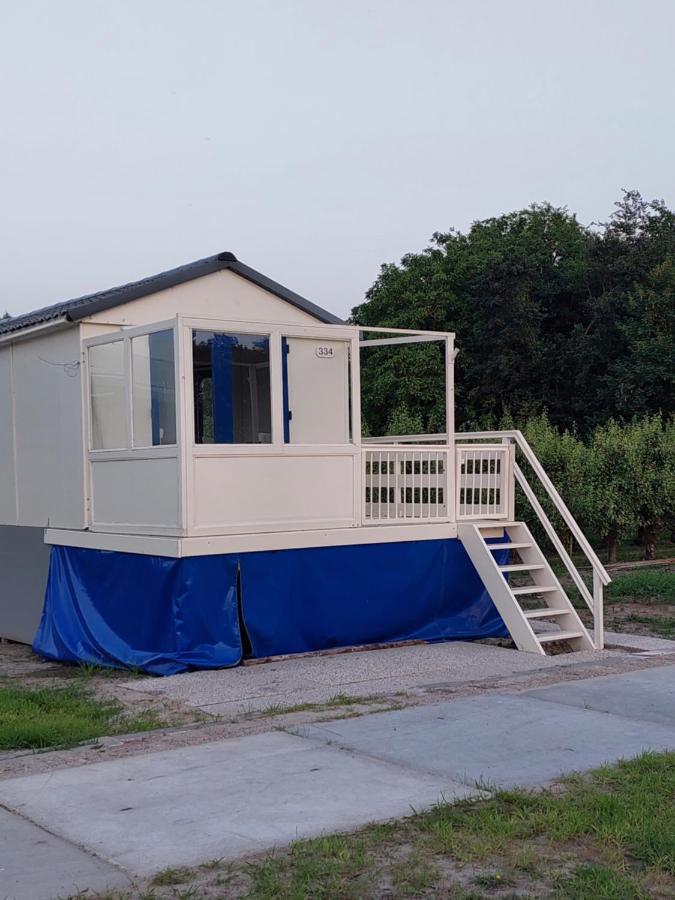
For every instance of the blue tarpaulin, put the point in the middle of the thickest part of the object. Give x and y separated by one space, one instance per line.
166 615
153 613
299 600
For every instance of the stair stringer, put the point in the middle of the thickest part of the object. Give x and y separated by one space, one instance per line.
498 587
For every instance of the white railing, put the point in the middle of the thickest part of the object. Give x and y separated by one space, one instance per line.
484 481
407 439
594 601
406 484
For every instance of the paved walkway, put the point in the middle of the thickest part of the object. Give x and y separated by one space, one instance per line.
103 823
317 678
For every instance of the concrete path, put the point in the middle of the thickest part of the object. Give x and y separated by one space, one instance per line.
520 740
219 800
231 797
36 864
318 678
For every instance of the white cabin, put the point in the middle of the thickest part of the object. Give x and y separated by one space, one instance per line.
211 411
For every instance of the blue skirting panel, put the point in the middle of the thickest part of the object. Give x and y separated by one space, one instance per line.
153 613
168 615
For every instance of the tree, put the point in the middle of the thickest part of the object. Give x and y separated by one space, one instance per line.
549 315
643 375
610 482
652 449
565 460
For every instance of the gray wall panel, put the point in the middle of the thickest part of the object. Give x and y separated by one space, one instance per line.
24 563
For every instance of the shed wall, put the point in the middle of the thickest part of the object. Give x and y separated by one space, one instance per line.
48 430
7 475
222 295
24 564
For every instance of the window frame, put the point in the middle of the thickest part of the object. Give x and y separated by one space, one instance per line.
275 331
226 329
125 336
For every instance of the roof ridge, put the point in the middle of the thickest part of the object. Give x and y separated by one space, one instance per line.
79 307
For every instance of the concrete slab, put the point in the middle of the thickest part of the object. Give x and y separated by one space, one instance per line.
224 799
496 739
641 642
36 865
315 679
648 696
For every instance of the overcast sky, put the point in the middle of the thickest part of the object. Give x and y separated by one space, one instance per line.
314 139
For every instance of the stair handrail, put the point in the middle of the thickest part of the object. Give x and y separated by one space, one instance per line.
600 575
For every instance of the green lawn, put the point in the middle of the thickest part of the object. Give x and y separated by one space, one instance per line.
42 717
609 835
651 585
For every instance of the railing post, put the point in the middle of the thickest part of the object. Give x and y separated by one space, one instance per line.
510 478
598 613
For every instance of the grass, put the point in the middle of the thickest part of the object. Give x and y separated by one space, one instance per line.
39 718
620 820
647 585
640 601
662 626
608 835
336 702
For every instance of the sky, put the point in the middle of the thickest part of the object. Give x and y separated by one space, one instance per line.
315 140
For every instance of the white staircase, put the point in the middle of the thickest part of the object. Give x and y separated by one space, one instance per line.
542 600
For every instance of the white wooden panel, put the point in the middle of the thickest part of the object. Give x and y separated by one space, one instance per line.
272 492
135 492
208 545
7 477
221 295
48 421
318 391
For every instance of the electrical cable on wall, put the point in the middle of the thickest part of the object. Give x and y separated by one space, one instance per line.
70 368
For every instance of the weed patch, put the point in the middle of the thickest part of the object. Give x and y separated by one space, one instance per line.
38 718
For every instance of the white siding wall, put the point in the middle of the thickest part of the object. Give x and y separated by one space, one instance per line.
222 295
272 492
135 492
7 478
48 430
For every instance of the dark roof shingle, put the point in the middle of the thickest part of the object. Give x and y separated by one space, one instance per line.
81 307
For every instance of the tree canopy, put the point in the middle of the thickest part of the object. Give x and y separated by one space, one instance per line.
550 315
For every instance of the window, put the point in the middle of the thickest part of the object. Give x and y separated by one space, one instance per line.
231 388
108 404
153 389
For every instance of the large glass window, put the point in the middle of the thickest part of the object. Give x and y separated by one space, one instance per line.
108 403
231 388
153 389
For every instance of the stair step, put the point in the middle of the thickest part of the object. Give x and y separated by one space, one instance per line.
521 567
533 589
509 546
549 636
544 612
496 524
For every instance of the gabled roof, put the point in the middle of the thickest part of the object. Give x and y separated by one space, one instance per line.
82 307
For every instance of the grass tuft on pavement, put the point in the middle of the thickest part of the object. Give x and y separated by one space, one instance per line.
38 718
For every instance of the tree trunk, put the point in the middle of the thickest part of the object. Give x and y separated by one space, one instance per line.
611 547
648 538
